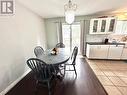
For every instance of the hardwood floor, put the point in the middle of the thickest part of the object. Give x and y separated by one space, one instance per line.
86 83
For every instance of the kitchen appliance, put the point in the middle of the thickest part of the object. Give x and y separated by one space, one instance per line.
106 40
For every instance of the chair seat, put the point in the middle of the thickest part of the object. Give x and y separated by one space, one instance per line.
69 62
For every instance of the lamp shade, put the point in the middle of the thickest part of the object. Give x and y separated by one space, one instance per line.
69 16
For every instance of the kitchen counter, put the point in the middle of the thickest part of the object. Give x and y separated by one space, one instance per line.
101 43
113 51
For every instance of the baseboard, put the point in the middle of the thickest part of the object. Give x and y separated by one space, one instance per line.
14 83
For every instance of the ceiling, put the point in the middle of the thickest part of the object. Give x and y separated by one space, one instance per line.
55 8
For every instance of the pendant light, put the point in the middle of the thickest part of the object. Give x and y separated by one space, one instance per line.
70 9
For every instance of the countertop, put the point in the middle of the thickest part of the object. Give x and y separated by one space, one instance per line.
101 43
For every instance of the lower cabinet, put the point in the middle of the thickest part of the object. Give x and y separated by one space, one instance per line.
115 51
106 52
97 51
124 54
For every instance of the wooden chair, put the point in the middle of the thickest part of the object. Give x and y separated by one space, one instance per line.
43 72
38 51
72 60
60 45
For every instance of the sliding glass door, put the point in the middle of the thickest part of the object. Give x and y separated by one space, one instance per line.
71 35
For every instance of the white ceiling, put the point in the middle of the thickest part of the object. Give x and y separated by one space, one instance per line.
55 8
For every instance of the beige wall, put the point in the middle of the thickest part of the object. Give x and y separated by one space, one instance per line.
19 34
52 32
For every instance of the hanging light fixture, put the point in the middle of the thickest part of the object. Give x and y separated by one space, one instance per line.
70 9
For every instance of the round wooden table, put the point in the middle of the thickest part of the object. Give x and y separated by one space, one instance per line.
61 57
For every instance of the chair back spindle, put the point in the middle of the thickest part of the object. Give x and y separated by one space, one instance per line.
41 69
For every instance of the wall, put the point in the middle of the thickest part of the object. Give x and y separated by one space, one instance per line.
52 32
19 34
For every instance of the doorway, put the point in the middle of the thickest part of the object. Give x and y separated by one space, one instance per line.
71 35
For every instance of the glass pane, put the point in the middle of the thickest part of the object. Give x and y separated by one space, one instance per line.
76 35
71 35
95 25
111 26
103 25
66 35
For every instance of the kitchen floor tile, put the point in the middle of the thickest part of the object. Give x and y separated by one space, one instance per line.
124 79
113 68
102 67
121 73
112 90
123 90
94 66
108 73
98 72
117 81
104 80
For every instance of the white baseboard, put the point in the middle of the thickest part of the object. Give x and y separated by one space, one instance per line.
14 83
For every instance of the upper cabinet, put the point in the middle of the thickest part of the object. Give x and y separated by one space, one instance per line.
121 27
102 25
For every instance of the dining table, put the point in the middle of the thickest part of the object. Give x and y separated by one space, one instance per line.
61 57
56 61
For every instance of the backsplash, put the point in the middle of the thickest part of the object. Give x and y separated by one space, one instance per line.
118 38
124 39
111 37
95 38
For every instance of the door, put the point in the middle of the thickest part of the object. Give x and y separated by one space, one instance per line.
71 35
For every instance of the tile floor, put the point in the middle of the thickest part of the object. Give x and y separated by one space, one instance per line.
112 75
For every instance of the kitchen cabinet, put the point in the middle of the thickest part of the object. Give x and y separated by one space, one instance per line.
115 51
106 51
97 51
102 25
94 23
121 27
124 53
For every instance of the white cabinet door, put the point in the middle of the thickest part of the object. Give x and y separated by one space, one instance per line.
124 54
115 51
103 23
111 25
97 51
121 27
94 26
